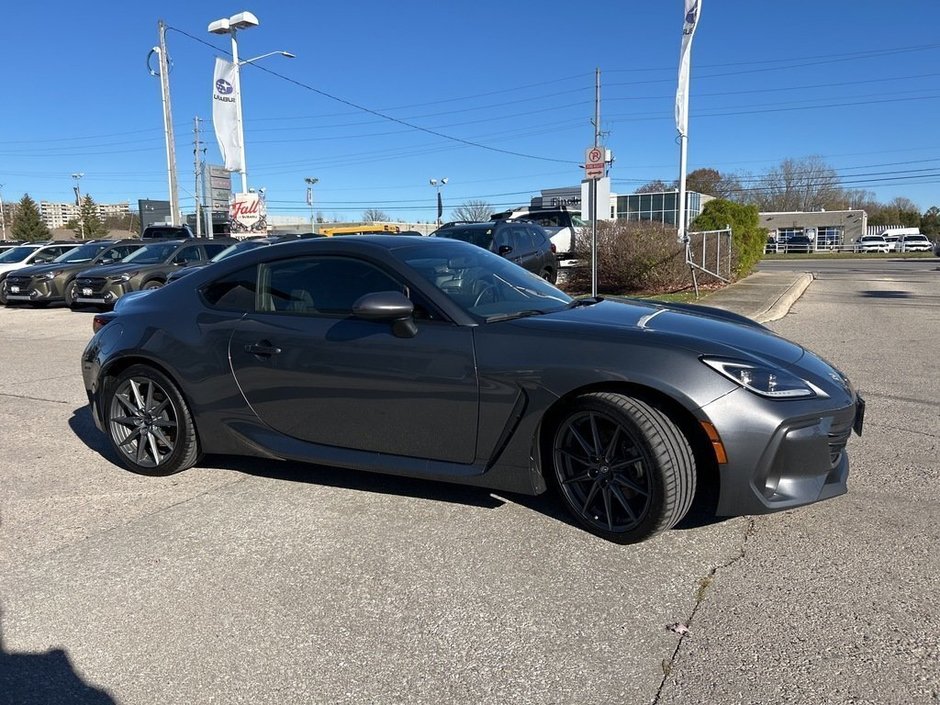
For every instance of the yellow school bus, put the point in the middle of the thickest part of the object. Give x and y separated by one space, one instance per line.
374 229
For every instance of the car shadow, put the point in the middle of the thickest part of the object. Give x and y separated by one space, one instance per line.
45 677
702 512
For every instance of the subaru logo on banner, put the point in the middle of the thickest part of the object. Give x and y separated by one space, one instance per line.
225 113
224 87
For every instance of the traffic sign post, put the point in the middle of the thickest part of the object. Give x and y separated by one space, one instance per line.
594 163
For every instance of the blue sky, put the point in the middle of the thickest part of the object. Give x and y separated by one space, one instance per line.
855 82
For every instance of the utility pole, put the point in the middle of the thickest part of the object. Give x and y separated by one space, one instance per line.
311 181
196 191
164 75
593 184
78 201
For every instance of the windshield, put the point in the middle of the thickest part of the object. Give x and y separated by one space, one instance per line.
152 254
481 237
83 253
236 248
482 283
17 254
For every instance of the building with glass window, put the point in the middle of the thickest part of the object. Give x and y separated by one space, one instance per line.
661 207
825 229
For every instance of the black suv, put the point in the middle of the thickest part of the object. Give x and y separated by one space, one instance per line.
41 284
519 241
147 268
166 232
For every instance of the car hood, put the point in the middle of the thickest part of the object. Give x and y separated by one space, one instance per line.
111 270
34 269
700 328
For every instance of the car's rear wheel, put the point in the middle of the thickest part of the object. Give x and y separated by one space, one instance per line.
623 468
549 275
148 422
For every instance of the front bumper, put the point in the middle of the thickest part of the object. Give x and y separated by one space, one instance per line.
100 292
778 461
32 289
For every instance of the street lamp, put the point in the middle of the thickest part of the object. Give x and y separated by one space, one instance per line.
437 184
311 181
3 220
231 25
78 201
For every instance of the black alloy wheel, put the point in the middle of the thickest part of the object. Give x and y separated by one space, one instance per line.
623 468
149 423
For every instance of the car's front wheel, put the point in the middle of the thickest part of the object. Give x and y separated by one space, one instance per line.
623 468
151 285
70 293
148 422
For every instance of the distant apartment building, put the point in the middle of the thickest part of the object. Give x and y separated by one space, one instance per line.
56 215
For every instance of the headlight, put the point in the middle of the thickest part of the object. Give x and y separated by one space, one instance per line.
123 277
765 380
50 275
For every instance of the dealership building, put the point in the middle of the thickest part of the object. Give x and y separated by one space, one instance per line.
824 228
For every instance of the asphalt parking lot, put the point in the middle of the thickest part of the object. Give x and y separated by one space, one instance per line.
265 582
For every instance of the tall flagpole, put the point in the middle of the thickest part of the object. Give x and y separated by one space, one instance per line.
693 10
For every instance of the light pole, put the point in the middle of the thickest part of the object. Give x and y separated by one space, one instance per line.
231 25
438 184
311 181
78 201
3 220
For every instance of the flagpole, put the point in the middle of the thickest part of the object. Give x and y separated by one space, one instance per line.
693 10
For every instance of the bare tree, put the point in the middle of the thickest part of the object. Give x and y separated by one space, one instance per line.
374 215
472 210
712 182
798 185
656 186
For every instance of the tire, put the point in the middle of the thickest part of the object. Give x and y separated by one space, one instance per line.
3 293
549 275
148 423
69 294
623 469
151 285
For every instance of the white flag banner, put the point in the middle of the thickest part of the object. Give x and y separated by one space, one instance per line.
225 113
693 9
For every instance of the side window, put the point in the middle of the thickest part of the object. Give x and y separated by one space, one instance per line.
520 240
501 238
538 239
44 256
214 248
119 253
233 292
320 285
188 255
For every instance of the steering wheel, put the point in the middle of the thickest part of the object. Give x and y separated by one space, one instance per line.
487 289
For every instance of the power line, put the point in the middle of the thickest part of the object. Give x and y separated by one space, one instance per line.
377 113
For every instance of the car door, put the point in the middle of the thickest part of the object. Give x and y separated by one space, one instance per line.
311 370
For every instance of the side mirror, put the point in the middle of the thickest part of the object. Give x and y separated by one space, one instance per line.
391 306
504 250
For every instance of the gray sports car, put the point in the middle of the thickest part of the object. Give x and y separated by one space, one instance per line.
437 359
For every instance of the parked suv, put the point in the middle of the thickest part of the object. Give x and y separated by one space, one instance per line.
166 232
914 243
24 255
872 243
519 241
147 268
562 226
41 284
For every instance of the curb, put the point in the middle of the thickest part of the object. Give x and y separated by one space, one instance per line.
780 307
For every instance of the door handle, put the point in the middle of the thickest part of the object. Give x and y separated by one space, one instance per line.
262 349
